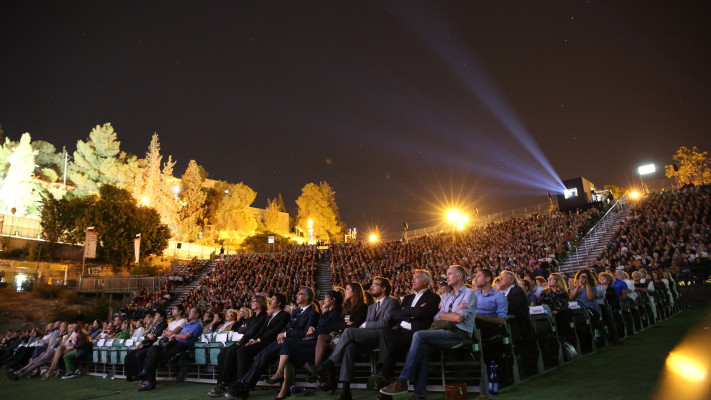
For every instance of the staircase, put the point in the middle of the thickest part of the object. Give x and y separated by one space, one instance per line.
182 291
323 276
595 240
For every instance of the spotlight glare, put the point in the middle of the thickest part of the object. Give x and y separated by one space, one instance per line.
634 195
686 367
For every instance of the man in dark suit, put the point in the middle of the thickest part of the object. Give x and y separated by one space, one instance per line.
356 341
416 312
234 361
301 319
522 331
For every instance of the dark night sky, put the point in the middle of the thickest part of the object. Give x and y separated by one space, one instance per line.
399 106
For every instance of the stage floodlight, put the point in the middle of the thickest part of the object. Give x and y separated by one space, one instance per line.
647 169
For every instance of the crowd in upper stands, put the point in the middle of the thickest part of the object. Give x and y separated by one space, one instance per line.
502 269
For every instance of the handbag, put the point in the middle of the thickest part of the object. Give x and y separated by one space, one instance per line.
569 352
163 341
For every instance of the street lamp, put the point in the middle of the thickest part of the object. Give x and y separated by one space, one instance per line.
643 170
373 238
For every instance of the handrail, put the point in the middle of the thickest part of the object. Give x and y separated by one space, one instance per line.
591 230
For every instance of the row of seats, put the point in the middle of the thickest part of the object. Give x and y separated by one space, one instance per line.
466 362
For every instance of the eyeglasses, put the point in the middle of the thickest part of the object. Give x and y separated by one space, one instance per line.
376 284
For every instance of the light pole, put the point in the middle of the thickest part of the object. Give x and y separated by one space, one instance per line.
87 249
643 170
310 226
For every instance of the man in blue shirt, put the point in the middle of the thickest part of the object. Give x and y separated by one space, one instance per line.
458 308
492 308
177 343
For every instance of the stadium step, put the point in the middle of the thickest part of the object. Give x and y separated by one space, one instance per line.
595 241
183 291
323 277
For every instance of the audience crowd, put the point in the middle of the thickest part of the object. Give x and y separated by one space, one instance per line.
502 269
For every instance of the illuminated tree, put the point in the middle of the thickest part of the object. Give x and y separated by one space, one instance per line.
193 207
273 217
690 167
153 184
166 199
318 203
18 192
232 217
99 160
616 191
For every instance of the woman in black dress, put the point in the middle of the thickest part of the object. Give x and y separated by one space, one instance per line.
297 352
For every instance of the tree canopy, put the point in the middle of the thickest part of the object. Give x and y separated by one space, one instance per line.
318 203
691 166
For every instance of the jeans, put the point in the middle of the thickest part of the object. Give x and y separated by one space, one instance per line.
423 342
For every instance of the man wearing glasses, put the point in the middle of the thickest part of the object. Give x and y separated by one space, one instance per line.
301 319
355 341
458 308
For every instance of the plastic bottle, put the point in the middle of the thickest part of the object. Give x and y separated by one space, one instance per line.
493 378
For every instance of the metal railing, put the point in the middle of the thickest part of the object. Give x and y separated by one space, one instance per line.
586 245
118 284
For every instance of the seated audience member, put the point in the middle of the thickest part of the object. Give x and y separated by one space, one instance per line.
519 319
206 321
355 311
95 329
65 345
139 331
230 319
80 351
297 352
532 298
556 297
135 359
301 319
358 340
607 303
257 331
46 356
416 312
177 343
453 324
492 308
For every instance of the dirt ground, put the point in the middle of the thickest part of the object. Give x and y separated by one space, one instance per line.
20 310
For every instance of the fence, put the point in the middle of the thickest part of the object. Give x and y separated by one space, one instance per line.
117 284
26 227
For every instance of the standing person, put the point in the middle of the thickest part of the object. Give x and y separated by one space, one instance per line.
135 358
416 312
358 340
177 343
453 324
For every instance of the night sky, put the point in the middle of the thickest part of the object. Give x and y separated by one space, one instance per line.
400 106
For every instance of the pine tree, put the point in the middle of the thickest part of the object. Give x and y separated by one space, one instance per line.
274 220
18 192
193 198
99 160
318 203
152 175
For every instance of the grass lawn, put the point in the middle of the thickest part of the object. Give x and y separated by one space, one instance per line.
630 371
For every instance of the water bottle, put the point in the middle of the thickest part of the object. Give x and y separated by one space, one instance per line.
493 378
296 389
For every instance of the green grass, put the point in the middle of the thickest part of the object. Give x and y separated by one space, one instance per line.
628 372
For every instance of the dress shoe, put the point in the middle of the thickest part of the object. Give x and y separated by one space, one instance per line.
395 387
282 398
270 381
